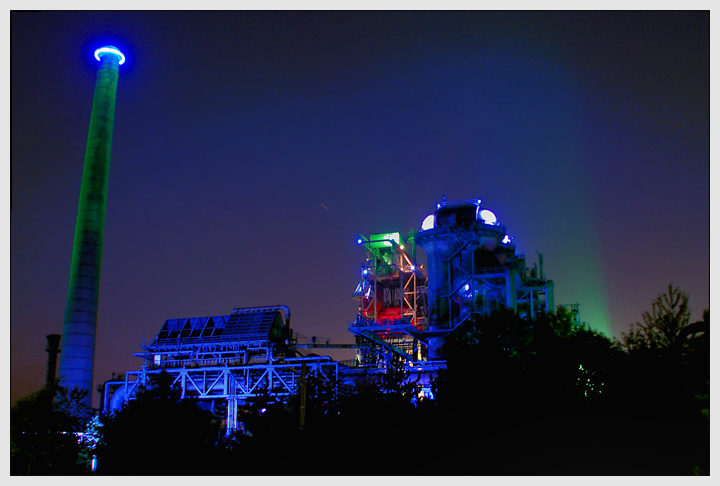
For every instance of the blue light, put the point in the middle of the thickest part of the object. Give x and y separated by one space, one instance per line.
365 271
426 393
507 239
359 241
110 50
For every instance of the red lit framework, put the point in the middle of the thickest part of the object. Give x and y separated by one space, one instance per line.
392 311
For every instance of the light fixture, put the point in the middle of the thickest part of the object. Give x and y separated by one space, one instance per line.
488 217
428 223
390 237
110 50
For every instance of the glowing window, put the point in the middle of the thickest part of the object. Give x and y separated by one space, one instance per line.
428 223
488 217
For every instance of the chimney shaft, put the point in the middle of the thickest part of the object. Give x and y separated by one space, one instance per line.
78 356
53 348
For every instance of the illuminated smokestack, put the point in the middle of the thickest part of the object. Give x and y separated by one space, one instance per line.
53 348
78 354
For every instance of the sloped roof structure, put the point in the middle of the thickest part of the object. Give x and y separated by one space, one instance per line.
251 324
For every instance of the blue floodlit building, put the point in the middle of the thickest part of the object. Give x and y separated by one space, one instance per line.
405 312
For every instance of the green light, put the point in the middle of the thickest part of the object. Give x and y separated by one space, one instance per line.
384 240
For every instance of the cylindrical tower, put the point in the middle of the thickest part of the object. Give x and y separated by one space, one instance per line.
470 267
78 338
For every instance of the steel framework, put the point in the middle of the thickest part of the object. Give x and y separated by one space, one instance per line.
393 310
403 317
230 385
473 268
225 361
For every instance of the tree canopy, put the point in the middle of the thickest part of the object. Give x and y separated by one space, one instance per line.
44 431
158 433
518 396
662 326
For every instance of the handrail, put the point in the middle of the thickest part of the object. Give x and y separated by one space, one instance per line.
486 270
231 361
380 322
204 340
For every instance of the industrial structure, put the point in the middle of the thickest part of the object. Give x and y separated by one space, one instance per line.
393 302
53 349
78 339
224 361
472 268
405 312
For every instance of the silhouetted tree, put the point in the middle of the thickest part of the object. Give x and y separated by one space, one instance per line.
662 326
665 386
158 434
523 396
44 430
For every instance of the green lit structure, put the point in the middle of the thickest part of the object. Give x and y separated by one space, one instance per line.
78 339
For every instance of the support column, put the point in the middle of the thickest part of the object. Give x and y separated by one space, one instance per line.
53 349
231 424
438 287
511 290
550 296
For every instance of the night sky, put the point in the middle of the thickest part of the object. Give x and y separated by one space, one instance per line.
250 149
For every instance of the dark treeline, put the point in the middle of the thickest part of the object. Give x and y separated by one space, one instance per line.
519 397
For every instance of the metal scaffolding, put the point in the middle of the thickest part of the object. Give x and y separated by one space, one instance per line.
405 312
225 361
393 308
473 268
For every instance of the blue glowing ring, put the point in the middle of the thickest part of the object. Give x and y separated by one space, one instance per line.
110 50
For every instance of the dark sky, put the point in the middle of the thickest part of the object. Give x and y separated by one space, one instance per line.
587 133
